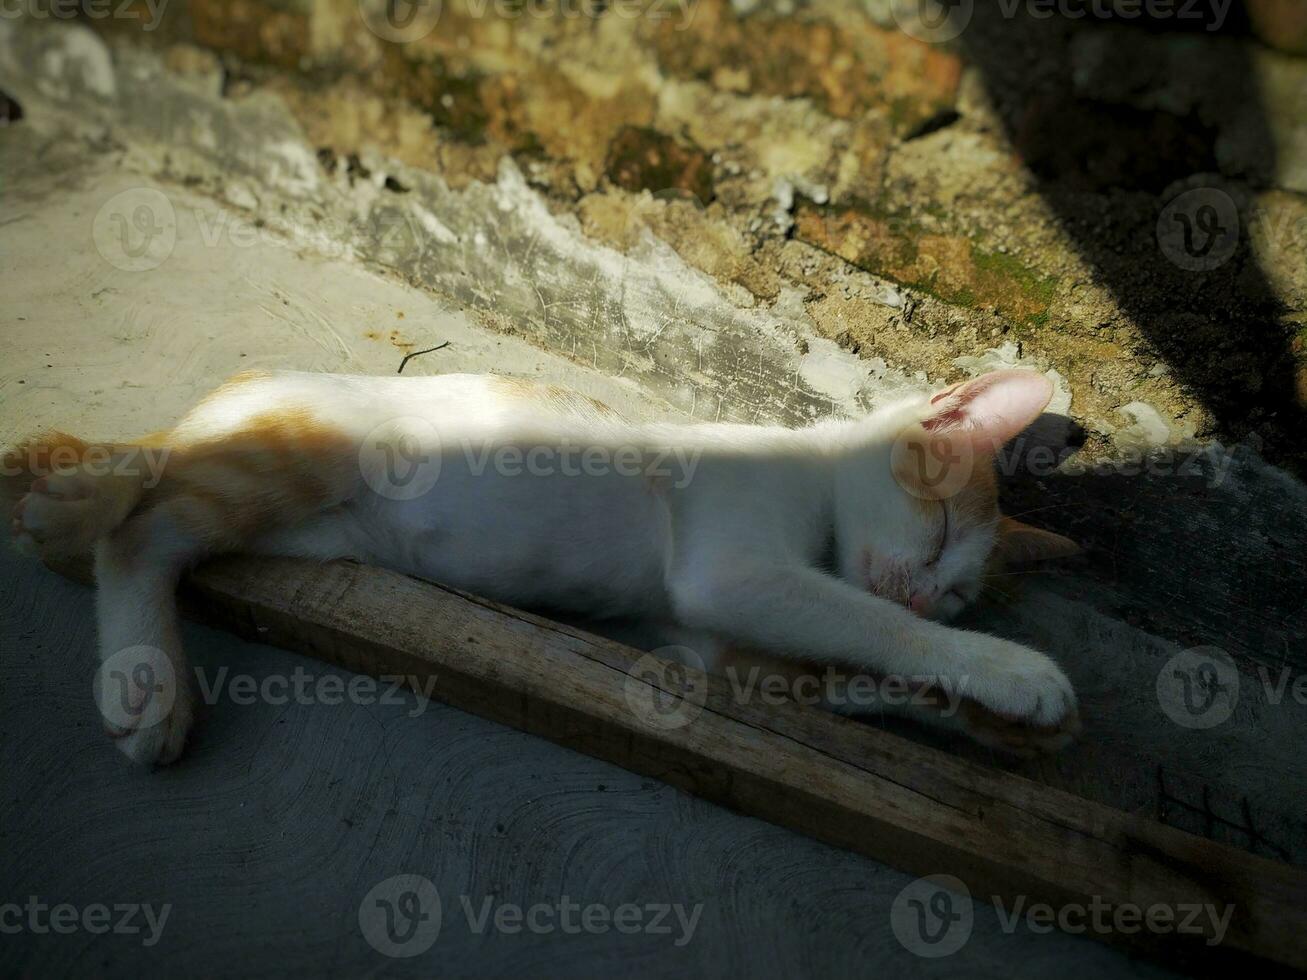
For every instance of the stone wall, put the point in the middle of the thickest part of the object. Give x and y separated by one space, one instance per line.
925 207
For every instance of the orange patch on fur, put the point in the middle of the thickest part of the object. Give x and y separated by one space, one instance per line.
554 397
231 384
975 502
279 467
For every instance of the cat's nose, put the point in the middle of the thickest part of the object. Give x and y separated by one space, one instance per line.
919 603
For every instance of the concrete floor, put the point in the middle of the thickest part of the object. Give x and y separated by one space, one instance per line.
266 839
282 817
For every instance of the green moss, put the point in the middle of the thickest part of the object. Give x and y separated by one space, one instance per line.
994 279
1039 321
1003 272
1299 343
1037 287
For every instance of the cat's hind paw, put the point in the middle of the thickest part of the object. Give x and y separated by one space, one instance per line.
159 744
63 514
145 708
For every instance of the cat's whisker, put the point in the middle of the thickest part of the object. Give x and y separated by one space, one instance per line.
1025 513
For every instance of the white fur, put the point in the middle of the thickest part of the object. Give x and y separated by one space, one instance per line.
728 542
730 552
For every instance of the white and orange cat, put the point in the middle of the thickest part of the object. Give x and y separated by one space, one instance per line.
819 546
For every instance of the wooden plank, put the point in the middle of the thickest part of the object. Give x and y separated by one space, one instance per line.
911 806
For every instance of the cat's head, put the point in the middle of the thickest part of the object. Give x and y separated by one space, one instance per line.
917 518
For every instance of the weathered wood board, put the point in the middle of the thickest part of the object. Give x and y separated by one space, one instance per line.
909 805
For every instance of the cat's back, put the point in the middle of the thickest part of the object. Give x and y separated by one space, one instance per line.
355 403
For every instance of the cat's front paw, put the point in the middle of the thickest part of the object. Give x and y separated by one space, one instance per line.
1000 732
146 708
1018 687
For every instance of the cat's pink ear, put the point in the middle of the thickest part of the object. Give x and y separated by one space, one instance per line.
1021 542
989 410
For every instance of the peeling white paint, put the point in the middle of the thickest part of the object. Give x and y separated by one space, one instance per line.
1147 429
828 370
77 50
433 226
292 167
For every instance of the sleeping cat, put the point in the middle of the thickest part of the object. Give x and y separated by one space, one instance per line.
843 544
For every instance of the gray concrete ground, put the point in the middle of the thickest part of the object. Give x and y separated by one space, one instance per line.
267 838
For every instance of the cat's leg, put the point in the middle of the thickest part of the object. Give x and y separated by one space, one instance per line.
783 608
145 691
215 494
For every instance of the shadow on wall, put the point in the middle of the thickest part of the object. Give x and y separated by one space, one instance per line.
1117 175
